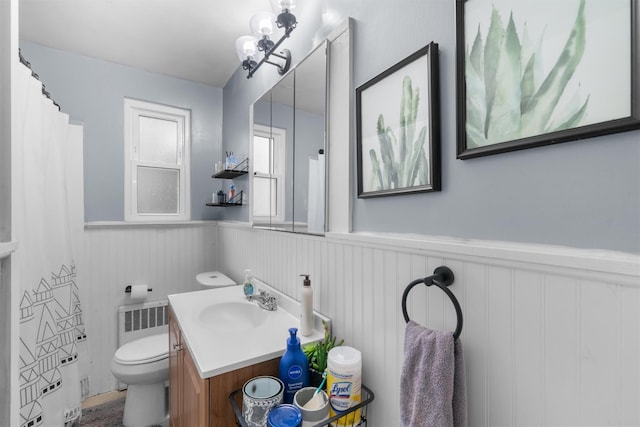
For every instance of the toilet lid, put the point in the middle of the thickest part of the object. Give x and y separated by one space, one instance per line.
214 279
144 350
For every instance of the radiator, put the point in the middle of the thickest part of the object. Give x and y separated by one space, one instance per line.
141 320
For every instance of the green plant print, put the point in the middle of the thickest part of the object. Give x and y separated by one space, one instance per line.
402 161
507 98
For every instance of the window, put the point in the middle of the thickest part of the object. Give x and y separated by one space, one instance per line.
268 174
157 154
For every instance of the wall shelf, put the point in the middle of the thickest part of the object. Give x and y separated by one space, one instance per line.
241 169
236 201
229 174
223 205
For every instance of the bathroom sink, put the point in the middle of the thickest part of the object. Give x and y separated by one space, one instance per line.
232 316
225 332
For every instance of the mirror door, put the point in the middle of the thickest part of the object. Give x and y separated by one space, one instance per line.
287 148
309 160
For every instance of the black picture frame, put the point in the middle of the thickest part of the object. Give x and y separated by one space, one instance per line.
603 54
400 153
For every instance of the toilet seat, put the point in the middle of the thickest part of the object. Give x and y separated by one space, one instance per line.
143 350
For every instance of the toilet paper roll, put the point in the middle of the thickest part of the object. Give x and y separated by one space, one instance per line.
139 292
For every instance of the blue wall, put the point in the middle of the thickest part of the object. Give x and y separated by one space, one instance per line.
93 91
582 194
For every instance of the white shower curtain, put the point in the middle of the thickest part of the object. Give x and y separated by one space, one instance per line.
315 195
48 219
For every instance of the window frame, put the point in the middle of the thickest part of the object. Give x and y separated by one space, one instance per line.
278 166
133 110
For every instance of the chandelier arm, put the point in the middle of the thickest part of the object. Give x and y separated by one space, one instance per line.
278 55
286 57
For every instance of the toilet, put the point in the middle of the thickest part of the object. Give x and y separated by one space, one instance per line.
143 364
213 279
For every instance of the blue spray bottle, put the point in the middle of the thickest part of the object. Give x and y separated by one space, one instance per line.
294 367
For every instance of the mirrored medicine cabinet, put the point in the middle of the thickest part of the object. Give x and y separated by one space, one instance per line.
287 148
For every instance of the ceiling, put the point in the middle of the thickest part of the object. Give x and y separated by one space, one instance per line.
188 39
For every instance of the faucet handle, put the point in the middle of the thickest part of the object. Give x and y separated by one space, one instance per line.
264 299
270 303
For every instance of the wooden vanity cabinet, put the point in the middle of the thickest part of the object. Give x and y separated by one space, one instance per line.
188 393
175 399
198 402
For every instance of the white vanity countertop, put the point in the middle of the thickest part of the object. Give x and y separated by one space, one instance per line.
216 349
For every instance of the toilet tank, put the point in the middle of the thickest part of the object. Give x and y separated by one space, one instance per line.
213 279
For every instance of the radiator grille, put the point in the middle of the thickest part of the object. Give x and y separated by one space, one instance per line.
144 318
141 320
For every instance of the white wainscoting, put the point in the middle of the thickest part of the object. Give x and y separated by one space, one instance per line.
551 335
166 257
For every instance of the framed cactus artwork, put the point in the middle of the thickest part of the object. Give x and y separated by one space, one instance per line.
398 128
540 72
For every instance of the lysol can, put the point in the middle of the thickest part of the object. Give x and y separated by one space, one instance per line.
344 381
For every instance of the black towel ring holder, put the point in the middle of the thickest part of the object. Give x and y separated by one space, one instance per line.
442 277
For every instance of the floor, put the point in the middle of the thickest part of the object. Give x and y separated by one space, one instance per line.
103 410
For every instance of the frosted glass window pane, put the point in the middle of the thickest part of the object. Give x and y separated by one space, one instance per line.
158 140
264 196
158 190
261 154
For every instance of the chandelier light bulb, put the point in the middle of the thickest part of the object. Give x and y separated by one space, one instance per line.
246 47
262 24
280 5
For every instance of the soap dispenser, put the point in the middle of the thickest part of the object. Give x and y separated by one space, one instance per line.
247 286
306 307
294 367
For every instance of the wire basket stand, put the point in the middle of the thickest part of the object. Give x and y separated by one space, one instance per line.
367 397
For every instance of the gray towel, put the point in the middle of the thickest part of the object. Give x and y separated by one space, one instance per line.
433 390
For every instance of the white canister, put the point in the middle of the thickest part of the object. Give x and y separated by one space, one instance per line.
344 383
259 396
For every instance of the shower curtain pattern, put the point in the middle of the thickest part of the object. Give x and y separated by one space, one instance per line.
49 227
54 312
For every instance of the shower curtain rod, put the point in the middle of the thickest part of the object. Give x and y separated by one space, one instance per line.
27 64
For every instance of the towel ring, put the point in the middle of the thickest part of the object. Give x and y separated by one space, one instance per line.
442 277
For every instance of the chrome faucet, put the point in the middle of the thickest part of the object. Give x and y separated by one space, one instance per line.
264 300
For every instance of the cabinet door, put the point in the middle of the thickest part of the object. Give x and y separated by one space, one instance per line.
174 372
195 394
220 386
